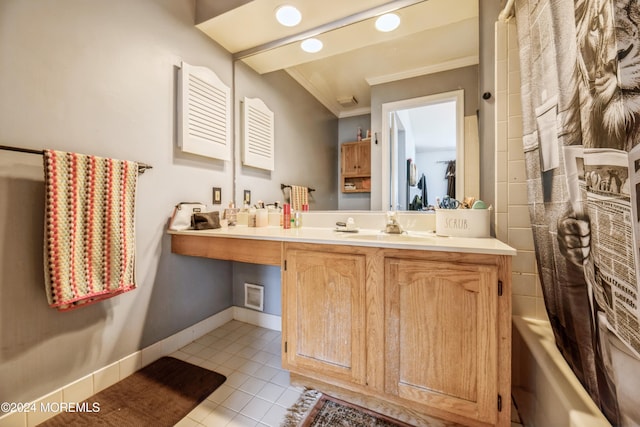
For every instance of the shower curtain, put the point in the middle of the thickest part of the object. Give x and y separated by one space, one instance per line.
580 73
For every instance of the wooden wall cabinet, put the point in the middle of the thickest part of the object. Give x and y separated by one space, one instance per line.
355 167
428 333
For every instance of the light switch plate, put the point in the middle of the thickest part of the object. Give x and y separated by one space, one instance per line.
247 197
217 195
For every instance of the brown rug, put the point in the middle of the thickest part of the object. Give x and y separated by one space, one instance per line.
160 394
331 412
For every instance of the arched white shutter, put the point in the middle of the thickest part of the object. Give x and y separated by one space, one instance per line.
204 113
257 134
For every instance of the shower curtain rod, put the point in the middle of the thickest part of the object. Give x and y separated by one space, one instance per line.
141 166
507 12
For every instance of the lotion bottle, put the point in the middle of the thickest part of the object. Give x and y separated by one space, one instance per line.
286 215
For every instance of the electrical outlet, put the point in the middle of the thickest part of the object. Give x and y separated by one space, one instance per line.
247 197
217 195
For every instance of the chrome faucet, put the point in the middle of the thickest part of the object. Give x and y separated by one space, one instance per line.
392 226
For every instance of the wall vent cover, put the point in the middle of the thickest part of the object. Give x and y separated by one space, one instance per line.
204 113
347 101
257 134
254 296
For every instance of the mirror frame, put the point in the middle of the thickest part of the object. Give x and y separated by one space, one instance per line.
389 178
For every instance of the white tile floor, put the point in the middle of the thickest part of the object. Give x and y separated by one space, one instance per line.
257 391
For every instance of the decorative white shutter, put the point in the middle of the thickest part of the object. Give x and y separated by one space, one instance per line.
204 113
258 134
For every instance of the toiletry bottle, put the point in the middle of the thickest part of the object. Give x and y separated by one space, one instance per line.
251 222
286 215
262 217
275 217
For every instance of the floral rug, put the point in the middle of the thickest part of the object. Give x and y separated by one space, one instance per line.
315 409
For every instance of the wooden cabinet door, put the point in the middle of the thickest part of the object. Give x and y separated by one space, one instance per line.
441 338
356 158
324 315
364 158
349 159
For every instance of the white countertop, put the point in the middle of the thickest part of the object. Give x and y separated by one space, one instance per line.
364 237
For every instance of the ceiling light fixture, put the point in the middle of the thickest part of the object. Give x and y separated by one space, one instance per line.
311 45
387 22
288 15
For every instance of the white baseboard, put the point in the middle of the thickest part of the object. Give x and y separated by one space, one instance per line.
253 317
102 378
193 332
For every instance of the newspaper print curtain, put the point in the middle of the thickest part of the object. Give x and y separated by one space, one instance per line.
580 65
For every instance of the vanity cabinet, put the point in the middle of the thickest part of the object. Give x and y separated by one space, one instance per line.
326 313
442 335
422 332
355 166
417 334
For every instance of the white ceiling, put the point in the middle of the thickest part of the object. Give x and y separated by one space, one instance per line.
434 35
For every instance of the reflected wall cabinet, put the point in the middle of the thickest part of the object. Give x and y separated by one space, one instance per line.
355 167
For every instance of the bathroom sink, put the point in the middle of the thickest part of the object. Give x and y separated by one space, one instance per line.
399 238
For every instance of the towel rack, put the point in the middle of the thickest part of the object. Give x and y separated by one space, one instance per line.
283 186
141 166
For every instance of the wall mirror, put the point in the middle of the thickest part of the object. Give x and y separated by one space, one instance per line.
435 37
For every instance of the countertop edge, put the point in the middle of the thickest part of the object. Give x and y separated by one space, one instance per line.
328 236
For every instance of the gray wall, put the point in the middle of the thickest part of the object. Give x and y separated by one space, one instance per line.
99 78
461 78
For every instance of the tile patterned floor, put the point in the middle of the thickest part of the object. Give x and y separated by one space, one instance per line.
257 391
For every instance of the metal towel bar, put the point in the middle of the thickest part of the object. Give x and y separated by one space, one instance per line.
283 186
141 166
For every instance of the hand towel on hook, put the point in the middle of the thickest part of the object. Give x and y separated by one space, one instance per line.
89 228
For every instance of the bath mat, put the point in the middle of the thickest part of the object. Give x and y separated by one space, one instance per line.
315 409
160 394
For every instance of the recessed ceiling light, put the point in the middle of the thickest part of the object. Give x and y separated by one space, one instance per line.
288 15
311 45
387 22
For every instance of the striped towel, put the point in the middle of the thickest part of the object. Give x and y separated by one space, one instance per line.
89 228
299 196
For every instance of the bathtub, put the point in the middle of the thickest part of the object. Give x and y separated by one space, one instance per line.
545 390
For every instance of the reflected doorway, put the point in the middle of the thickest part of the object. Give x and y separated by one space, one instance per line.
424 149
